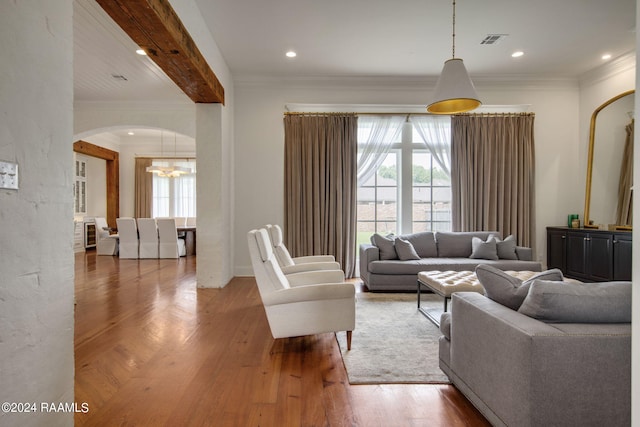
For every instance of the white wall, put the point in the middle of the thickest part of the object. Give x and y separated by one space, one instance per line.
36 221
96 187
259 142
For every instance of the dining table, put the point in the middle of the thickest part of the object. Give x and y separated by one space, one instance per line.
189 233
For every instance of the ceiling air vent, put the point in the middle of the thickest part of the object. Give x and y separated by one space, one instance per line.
493 38
119 77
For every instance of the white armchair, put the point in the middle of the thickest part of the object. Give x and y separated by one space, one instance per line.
300 304
291 265
106 244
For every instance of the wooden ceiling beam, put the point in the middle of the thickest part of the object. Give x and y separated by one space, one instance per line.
155 27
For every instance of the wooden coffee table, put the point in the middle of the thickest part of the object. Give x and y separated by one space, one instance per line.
445 283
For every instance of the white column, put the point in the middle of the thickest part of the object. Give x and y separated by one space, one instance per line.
36 225
213 239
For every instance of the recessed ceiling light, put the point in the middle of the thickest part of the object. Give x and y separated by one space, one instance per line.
517 54
291 54
130 133
141 52
606 56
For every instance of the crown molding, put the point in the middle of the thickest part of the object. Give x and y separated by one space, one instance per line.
382 83
621 64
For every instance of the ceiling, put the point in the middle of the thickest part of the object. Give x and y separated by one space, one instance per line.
413 38
363 38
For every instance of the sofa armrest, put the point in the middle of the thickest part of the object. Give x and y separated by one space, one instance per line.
309 293
310 266
524 253
315 277
368 253
313 258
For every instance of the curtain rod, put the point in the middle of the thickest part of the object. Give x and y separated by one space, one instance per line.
494 114
300 113
319 113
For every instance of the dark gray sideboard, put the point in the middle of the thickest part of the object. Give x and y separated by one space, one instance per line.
590 255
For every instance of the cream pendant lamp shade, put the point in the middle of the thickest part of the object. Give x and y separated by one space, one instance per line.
454 92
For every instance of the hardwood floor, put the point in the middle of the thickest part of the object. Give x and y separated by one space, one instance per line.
151 349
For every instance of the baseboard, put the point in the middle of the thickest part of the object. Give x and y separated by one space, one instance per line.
243 271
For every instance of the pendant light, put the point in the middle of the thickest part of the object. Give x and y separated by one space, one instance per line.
454 92
168 171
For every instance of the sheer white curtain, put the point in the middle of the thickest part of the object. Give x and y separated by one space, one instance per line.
376 134
436 133
174 197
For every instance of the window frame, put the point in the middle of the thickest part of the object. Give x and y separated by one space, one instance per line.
405 150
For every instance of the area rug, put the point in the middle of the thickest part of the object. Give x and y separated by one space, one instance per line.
393 343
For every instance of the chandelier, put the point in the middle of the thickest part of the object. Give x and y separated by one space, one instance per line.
168 171
454 92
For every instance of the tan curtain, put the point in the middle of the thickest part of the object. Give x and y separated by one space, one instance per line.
492 174
624 211
320 173
143 188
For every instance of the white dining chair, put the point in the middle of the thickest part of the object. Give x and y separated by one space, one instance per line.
128 236
148 232
170 245
107 244
181 221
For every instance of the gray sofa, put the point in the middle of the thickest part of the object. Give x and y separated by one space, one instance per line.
382 267
520 371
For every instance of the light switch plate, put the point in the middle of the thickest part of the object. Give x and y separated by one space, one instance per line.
8 175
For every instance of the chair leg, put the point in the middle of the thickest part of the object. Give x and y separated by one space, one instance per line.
349 333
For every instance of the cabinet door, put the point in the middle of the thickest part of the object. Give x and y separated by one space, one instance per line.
576 255
600 257
622 257
556 249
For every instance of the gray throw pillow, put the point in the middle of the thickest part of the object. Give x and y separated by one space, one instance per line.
507 248
405 250
457 244
423 242
509 290
484 250
386 246
607 302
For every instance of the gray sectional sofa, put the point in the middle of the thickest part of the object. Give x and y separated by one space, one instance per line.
387 264
556 363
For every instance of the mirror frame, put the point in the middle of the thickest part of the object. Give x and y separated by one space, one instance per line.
592 132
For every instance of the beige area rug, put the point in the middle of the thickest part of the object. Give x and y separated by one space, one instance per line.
393 343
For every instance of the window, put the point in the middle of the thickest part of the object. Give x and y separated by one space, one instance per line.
80 186
431 207
174 197
378 200
411 189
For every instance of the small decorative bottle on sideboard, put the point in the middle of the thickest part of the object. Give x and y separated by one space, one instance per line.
590 255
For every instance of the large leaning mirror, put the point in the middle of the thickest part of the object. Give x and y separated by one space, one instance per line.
609 187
